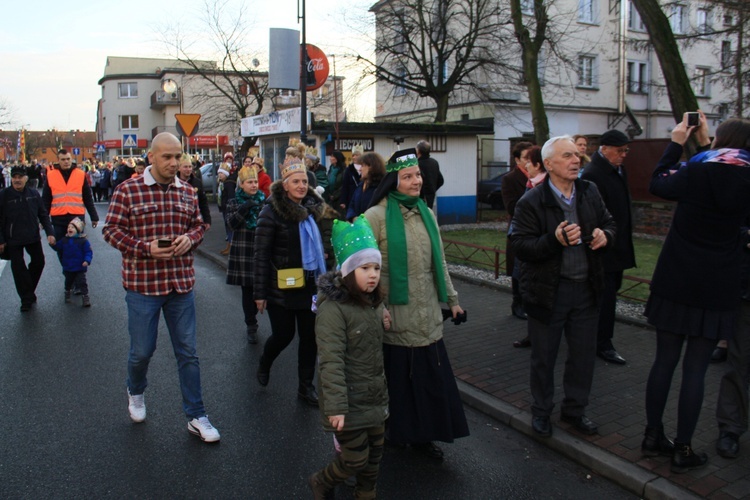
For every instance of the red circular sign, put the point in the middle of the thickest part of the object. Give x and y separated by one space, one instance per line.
316 67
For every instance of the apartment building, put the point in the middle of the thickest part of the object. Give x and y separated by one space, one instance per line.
141 96
608 75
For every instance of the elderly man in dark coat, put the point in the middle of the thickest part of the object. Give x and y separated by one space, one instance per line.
560 231
607 172
21 213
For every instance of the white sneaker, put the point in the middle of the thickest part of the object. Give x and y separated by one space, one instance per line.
202 428
136 407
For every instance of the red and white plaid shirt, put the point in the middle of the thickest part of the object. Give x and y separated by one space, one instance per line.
142 211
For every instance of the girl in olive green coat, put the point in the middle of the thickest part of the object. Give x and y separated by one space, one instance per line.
349 331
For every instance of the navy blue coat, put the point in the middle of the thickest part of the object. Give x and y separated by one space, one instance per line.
699 264
73 253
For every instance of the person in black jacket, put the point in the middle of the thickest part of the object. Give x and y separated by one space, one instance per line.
607 172
227 188
512 188
560 229
291 235
21 212
185 174
432 179
351 179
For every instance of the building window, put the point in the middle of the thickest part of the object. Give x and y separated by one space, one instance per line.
587 77
728 20
441 73
703 21
677 19
128 122
128 90
586 11
637 77
401 86
702 82
527 7
397 27
287 93
635 22
726 54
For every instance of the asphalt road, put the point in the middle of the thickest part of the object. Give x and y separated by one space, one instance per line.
66 431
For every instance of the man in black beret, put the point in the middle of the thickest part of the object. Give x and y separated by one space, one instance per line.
21 213
607 172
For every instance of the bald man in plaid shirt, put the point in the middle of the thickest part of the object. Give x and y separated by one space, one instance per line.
155 222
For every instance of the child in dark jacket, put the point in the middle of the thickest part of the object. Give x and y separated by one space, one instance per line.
75 255
349 331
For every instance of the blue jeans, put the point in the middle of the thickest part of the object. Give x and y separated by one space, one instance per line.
143 327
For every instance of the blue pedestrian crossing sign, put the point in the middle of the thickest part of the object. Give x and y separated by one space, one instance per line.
76 151
129 141
100 148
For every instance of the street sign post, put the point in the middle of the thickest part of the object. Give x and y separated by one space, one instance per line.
187 125
129 141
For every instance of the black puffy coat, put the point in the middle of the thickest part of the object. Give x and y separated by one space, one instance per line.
539 252
277 245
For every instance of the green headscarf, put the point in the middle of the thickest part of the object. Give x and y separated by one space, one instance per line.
398 253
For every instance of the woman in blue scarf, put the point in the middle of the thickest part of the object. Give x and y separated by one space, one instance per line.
695 290
289 242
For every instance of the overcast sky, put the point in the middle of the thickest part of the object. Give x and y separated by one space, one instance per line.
53 53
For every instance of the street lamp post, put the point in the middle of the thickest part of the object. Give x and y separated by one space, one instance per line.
169 86
302 75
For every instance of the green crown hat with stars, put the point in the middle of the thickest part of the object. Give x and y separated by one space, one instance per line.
402 159
354 244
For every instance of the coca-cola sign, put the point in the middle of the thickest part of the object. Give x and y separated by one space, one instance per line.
316 67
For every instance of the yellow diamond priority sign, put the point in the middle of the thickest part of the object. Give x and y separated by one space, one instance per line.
187 124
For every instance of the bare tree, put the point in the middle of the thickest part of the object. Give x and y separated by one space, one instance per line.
435 48
679 89
235 89
531 46
6 113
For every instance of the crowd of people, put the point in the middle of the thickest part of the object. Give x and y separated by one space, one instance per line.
349 259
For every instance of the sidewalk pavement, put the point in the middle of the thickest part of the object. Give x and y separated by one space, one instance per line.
493 377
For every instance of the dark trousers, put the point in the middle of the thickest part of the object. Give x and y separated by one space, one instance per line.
607 307
732 406
361 452
76 279
26 278
575 314
249 308
60 228
284 322
694 366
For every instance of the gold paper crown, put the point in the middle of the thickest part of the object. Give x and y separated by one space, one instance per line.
292 168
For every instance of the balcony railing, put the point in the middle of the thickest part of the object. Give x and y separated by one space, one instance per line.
160 99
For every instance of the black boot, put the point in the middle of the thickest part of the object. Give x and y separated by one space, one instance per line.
252 334
655 443
685 459
264 372
307 393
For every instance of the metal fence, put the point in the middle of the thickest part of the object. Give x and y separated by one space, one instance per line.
493 259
